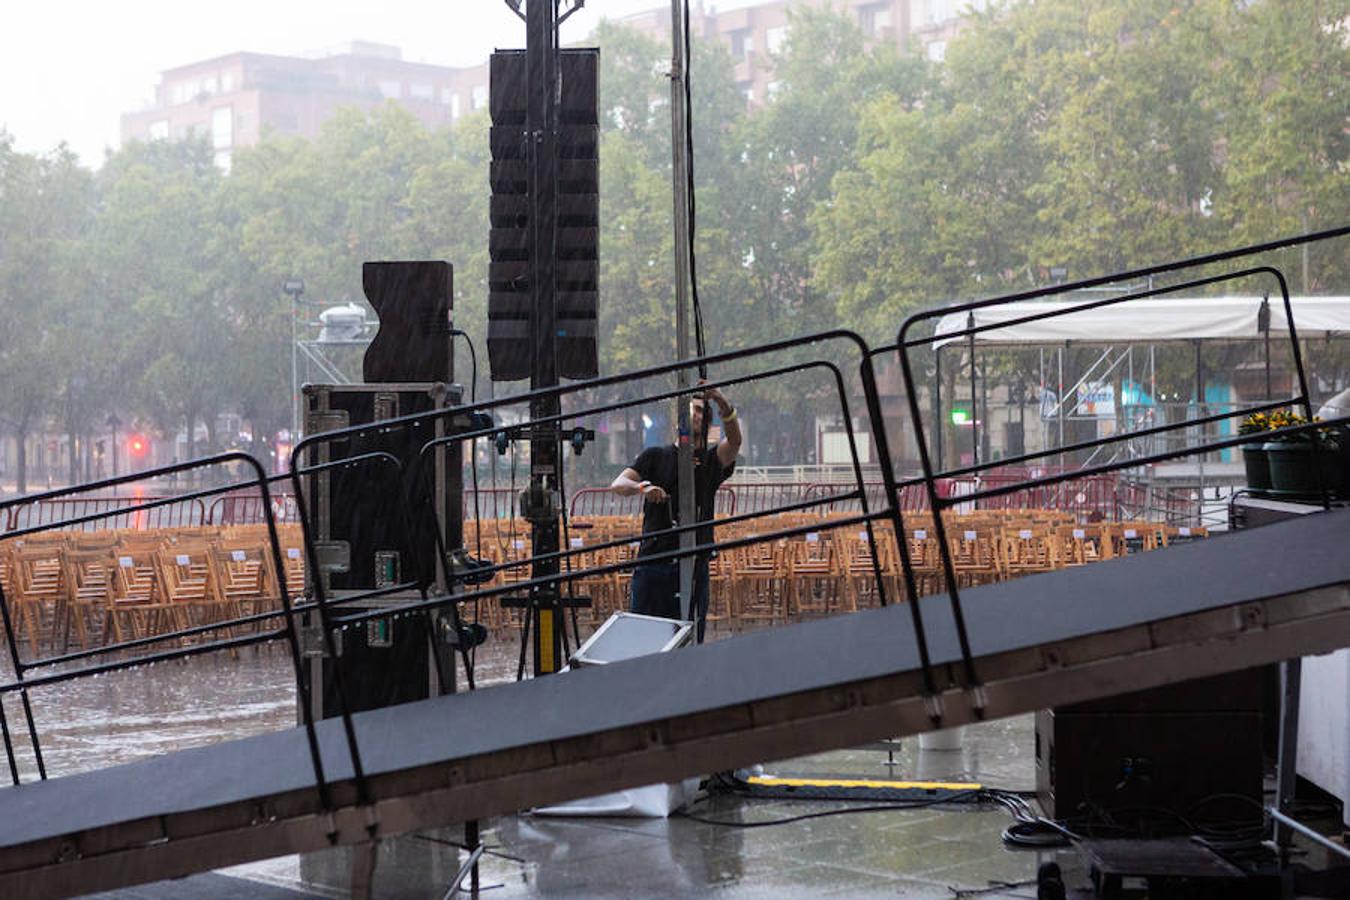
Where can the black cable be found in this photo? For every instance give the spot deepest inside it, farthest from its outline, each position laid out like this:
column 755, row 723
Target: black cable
column 689, row 161
column 473, row 469
column 526, row 622
column 958, row 797
column 567, row 560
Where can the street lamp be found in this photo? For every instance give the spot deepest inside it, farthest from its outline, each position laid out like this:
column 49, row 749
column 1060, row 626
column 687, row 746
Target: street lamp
column 294, row 288
column 114, row 423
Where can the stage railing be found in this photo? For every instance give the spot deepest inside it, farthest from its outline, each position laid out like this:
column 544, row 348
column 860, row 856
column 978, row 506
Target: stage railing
column 886, row 502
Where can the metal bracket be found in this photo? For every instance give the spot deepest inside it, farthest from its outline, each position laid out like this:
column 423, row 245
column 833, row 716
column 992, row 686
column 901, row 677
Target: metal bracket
column 333, row 556
column 386, row 406
column 321, row 420
column 311, row 640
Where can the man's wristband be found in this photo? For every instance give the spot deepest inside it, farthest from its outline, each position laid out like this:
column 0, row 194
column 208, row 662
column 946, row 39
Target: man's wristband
column 731, row 416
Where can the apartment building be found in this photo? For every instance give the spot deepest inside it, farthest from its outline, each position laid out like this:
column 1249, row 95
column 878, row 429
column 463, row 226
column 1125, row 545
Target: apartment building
column 236, row 99
column 755, row 32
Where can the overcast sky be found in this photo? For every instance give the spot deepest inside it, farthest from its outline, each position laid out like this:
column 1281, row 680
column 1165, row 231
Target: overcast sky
column 69, row 69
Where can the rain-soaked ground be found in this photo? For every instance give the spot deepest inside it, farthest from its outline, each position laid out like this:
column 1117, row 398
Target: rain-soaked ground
column 933, row 852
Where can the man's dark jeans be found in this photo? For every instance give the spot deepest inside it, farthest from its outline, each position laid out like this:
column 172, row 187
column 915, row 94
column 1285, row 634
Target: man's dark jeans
column 656, row 586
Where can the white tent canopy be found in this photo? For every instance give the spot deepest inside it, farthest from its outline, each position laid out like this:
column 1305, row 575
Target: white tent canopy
column 1153, row 320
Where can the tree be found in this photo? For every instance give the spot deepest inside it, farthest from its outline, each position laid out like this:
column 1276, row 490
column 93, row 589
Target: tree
column 1278, row 95
column 153, row 245
column 44, row 212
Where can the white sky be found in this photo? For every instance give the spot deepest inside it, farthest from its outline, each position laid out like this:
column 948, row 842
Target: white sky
column 69, row 68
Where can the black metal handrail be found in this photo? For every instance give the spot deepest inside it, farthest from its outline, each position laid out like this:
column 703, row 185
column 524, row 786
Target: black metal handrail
column 291, row 632
column 325, row 607
column 470, row 411
column 903, row 345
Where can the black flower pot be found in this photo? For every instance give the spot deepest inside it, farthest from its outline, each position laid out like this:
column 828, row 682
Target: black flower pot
column 1295, row 470
column 1257, row 463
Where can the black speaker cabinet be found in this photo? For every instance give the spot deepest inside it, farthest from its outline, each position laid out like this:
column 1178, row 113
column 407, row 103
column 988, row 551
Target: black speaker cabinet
column 1187, row 750
column 374, row 526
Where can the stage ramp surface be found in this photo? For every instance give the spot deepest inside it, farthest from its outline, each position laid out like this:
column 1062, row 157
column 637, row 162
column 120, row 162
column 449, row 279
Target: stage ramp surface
column 1226, row 603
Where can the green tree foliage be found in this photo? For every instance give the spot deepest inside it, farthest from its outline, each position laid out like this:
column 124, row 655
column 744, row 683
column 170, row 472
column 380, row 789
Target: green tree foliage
column 1278, row 92
column 49, row 363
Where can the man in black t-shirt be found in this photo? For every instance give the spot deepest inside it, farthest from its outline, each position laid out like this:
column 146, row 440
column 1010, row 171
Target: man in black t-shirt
column 655, row 475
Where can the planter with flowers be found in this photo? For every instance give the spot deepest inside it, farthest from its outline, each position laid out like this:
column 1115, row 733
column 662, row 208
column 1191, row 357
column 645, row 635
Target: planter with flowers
column 1299, row 468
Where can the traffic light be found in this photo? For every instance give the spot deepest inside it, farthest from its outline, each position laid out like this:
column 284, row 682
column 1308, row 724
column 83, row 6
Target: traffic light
column 138, row 445
column 576, row 246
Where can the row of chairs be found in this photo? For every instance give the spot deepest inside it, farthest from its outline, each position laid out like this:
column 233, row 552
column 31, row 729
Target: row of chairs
column 830, row 569
column 111, row 586
column 117, row 585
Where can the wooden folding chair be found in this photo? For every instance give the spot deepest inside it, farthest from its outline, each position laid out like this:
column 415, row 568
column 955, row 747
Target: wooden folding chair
column 244, row 576
column 816, row 583
column 135, row 609
column 88, row 576
column 1027, row 551
column 39, row 589
column 189, row 585
column 975, row 557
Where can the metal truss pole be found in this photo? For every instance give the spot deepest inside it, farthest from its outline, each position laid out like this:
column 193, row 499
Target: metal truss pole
column 541, row 52
column 679, row 118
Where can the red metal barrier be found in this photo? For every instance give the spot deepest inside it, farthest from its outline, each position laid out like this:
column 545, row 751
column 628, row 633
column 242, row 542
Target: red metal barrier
column 761, row 495
column 46, row 512
column 246, row 508
column 492, row 503
column 604, row 502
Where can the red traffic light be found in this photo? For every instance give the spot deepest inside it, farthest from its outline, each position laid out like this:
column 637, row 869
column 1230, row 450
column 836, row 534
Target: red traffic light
column 137, row 445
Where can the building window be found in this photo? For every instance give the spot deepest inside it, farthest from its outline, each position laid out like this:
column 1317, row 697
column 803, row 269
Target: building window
column 742, row 43
column 747, row 90
column 421, row 92
column 454, row 106
column 775, row 38
column 159, row 131
column 222, row 160
column 772, row 90
column 875, row 19
column 226, row 82
column 390, row 90
column 480, row 96
column 932, row 12
column 937, row 51
column 222, row 127
column 209, row 84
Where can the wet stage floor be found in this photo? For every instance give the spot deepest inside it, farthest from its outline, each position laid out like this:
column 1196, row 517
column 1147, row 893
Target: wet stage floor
column 940, row 852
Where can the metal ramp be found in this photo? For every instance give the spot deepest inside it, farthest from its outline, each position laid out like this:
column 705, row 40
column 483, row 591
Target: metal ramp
column 1231, row 602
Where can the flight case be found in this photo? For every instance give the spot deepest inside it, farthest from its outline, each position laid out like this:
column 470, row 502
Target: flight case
column 373, row 527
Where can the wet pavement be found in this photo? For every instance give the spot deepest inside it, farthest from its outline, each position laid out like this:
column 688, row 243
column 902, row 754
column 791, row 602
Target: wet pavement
column 738, row 850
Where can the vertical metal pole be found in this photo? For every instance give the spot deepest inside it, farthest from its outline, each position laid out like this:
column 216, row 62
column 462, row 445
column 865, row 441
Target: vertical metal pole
column 1040, row 411
column 1200, row 412
column 1063, row 402
column 679, row 117
column 938, row 424
column 295, row 371
column 1263, row 322
column 1286, row 769
column 541, row 127
column 974, row 399
column 472, row 841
